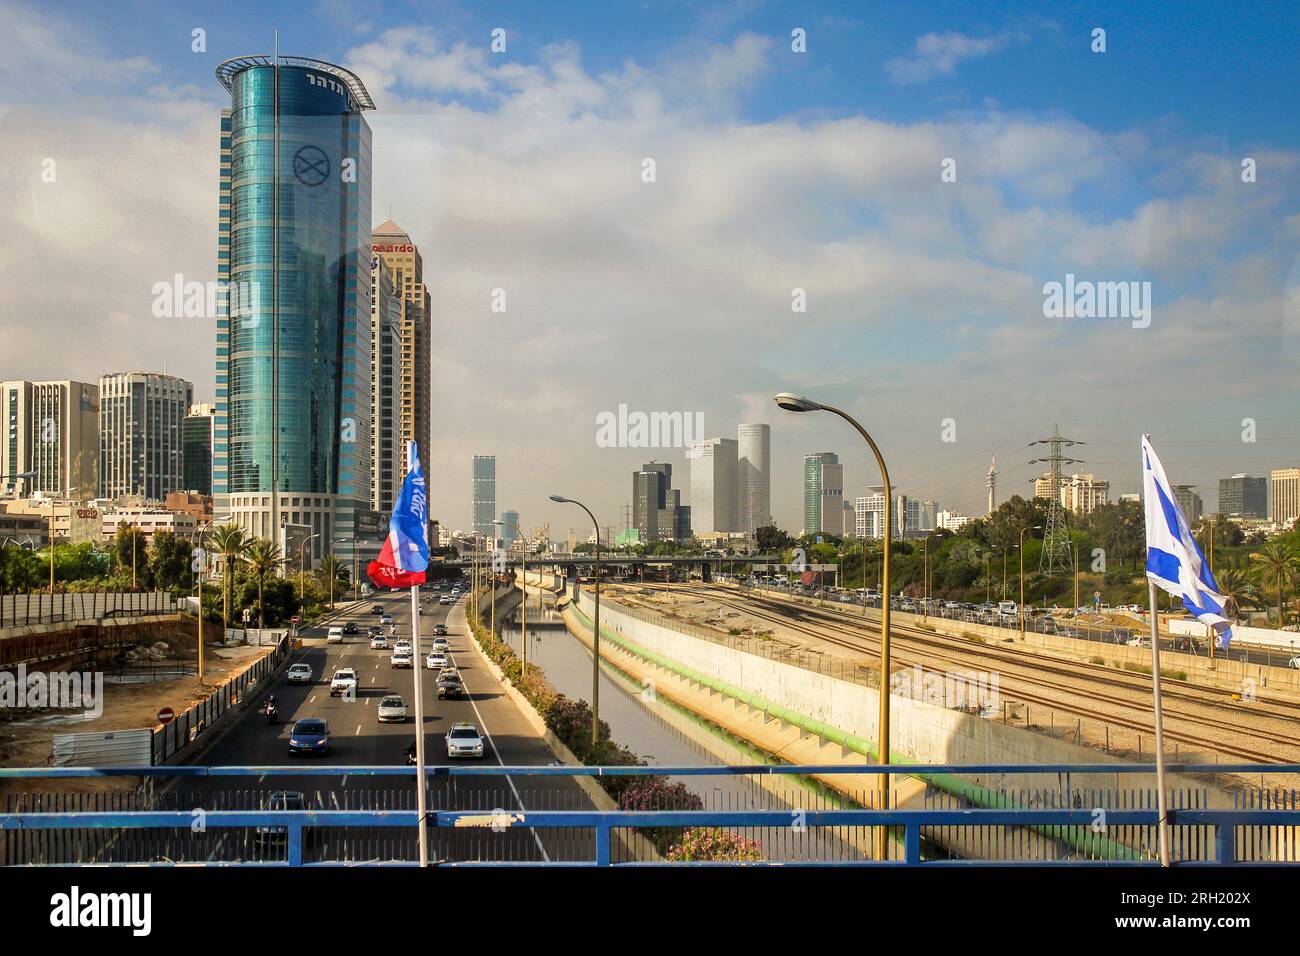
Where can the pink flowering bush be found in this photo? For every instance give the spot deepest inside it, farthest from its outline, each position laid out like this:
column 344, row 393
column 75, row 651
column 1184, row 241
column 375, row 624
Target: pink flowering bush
column 699, row 844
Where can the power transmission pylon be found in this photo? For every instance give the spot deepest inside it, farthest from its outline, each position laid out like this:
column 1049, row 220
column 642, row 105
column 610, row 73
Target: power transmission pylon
column 1057, row 556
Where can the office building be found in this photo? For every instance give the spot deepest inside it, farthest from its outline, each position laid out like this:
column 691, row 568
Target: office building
column 952, row 521
column 52, row 429
column 1242, row 496
column 823, row 494
column 1190, row 502
column 1079, row 494
column 196, row 448
column 657, row 510
column 714, row 492
column 387, row 448
column 1285, row 494
column 869, row 515
column 754, row 475
column 293, row 428
column 928, row 512
column 485, row 494
column 141, row 452
column 392, row 251
column 508, row 530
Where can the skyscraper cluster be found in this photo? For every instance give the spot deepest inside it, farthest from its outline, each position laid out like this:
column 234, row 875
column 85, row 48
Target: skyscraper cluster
column 731, row 482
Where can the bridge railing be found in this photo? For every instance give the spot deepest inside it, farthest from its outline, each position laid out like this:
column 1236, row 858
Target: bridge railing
column 344, row 826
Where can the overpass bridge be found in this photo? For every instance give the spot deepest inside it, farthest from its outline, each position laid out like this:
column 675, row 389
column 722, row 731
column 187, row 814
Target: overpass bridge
column 570, row 564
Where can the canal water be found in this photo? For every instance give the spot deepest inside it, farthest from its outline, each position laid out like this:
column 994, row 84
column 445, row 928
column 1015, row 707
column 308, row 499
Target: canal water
column 645, row 724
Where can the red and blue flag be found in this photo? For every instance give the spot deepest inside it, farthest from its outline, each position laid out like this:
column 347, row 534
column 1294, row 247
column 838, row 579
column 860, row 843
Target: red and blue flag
column 405, row 555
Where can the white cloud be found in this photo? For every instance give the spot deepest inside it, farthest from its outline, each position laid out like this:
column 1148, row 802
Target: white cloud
column 938, row 54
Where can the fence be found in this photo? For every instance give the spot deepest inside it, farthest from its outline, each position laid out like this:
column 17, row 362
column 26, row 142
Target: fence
column 520, row 821
column 182, row 733
column 26, row 608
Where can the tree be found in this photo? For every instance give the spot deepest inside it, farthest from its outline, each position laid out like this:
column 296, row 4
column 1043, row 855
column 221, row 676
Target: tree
column 229, row 541
column 130, row 554
column 771, row 539
column 169, row 559
column 263, row 556
column 1280, row 561
column 1238, row 589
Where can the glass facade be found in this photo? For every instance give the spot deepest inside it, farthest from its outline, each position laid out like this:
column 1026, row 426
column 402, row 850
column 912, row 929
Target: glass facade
column 485, row 494
column 294, row 243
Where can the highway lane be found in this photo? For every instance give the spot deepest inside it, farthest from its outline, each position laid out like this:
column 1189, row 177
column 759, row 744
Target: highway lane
column 358, row 738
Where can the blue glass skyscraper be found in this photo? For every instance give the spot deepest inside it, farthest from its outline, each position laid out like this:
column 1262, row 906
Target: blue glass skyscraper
column 292, row 432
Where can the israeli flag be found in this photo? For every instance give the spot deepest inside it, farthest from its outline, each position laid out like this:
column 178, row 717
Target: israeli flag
column 1174, row 560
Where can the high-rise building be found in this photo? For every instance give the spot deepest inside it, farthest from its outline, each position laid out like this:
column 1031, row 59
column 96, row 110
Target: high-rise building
column 754, row 475
column 387, row 447
column 1285, row 495
column 1189, row 501
column 196, row 448
column 485, row 494
column 823, row 494
column 509, row 527
column 952, row 521
column 929, row 515
column 1080, row 494
column 714, row 493
column 52, row 429
column 392, row 250
column 1243, row 496
column 657, row 510
column 293, row 367
column 140, row 448
column 869, row 514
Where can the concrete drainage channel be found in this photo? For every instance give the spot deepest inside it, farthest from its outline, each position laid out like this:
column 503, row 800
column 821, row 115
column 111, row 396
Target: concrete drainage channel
column 1078, row 839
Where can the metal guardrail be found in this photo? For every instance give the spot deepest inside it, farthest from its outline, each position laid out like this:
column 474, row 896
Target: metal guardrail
column 292, row 829
column 27, row 608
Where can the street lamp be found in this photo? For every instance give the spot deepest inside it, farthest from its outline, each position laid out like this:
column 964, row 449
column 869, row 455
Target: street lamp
column 925, row 575
column 523, row 608
column 334, row 541
column 798, row 403
column 202, row 558
column 595, row 637
column 1037, row 527
column 302, row 570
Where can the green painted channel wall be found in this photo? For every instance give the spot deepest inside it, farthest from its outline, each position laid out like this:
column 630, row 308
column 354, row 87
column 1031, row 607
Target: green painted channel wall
column 1079, row 838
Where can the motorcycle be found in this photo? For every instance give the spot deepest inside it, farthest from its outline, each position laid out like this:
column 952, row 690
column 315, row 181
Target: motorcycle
column 271, row 713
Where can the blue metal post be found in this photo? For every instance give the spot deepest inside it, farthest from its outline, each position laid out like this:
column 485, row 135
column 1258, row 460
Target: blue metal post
column 295, row 844
column 1225, row 842
column 602, row 845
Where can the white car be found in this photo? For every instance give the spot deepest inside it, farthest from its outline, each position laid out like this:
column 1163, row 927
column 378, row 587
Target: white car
column 386, row 619
column 401, row 659
column 445, row 599
column 344, row 680
column 298, row 674
column 435, row 661
column 1294, row 662
column 463, row 740
column 379, row 643
column 335, row 636
column 1138, row 642
column 392, row 707
column 440, row 645
column 402, row 647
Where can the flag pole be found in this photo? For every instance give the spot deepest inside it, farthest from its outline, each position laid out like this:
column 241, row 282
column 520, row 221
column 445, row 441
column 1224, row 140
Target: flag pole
column 1161, row 800
column 421, row 796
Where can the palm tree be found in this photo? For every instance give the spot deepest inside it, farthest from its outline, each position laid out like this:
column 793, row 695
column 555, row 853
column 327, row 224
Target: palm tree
column 1276, row 559
column 229, row 541
column 1238, row 589
column 263, row 556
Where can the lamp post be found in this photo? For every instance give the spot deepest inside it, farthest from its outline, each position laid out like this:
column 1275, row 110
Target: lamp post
column 595, row 635
column 302, row 570
column 1022, row 576
column 798, row 403
column 202, row 559
column 925, row 576
column 523, row 607
column 334, row 541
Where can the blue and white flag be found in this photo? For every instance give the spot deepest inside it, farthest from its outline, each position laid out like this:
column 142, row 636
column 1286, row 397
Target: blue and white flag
column 1174, row 559
column 404, row 557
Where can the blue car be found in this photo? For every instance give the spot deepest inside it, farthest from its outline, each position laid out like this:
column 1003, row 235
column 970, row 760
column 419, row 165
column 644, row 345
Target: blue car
column 311, row 735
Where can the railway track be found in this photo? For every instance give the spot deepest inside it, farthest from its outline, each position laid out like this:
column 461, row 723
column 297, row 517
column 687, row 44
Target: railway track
column 837, row 630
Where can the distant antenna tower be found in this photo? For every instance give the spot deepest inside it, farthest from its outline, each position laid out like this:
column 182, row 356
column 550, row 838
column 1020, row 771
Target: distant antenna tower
column 992, row 482
column 1057, row 556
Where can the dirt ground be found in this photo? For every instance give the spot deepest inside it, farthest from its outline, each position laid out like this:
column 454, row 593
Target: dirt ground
column 28, row 740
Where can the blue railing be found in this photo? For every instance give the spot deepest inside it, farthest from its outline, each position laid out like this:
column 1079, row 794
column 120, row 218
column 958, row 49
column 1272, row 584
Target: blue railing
column 291, row 826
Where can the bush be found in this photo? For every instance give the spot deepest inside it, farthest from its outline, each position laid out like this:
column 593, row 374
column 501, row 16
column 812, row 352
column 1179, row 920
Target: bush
column 714, row 845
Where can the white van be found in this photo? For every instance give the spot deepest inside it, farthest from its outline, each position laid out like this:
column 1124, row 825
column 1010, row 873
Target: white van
column 335, row 636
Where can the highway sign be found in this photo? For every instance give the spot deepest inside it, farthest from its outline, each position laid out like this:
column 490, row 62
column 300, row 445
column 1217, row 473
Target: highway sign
column 166, row 715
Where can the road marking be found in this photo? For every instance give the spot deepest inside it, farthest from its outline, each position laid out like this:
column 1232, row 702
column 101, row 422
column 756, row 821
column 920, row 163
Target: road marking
column 358, row 732
column 501, row 763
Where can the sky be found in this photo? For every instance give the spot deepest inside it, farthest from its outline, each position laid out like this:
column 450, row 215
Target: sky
column 921, row 172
